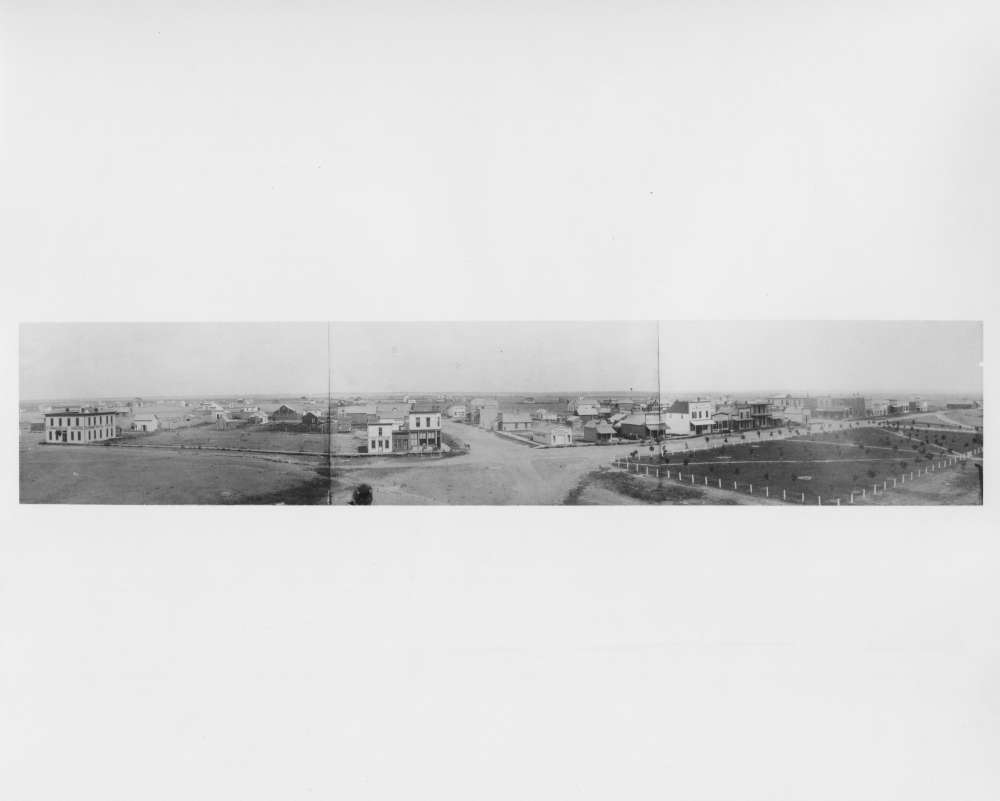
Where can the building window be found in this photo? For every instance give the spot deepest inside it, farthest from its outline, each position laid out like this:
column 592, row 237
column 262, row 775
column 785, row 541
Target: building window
column 373, row 444
column 418, row 422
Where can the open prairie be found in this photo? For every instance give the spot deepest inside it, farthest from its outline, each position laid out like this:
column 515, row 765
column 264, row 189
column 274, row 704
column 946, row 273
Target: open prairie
column 96, row 474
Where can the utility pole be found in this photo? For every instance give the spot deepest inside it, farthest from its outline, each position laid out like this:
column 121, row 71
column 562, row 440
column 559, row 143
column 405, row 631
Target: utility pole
column 659, row 386
column 329, row 419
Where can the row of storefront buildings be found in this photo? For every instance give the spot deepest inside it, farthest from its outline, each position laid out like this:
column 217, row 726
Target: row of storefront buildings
column 601, row 421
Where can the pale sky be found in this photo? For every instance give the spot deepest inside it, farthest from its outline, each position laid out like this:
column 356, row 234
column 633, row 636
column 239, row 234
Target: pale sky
column 495, row 357
column 822, row 356
column 99, row 360
column 667, row 144
column 83, row 360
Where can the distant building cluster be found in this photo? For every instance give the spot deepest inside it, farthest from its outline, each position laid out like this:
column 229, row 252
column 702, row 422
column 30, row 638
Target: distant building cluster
column 603, row 420
column 413, row 425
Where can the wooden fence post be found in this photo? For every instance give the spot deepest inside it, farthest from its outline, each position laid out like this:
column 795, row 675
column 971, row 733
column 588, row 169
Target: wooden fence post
column 720, row 483
column 852, row 497
column 784, row 495
column 803, row 497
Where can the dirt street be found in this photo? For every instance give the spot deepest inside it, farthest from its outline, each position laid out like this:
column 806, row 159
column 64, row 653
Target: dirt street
column 496, row 470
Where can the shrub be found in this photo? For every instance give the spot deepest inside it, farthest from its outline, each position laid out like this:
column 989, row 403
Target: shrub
column 362, row 496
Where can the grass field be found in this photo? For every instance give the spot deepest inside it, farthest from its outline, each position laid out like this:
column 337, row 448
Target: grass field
column 819, row 466
column 110, row 475
column 927, row 442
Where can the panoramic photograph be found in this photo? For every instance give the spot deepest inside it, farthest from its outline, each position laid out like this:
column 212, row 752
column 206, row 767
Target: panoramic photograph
column 839, row 413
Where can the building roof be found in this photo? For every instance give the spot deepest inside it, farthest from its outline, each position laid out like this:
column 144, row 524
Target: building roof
column 357, row 409
column 679, row 407
column 392, row 410
column 145, row 417
column 600, row 426
column 508, row 417
column 551, row 427
column 77, row 412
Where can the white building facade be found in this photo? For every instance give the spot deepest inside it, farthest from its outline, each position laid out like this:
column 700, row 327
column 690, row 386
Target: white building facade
column 380, row 436
column 79, row 426
column 554, row 436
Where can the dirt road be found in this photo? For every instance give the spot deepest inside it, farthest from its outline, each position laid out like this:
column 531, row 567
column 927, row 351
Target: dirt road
column 499, row 471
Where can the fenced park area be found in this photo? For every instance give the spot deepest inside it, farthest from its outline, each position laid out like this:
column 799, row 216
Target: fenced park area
column 849, row 467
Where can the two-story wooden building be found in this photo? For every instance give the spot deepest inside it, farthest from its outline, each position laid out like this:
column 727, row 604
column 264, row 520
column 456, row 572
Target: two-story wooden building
column 79, row 426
